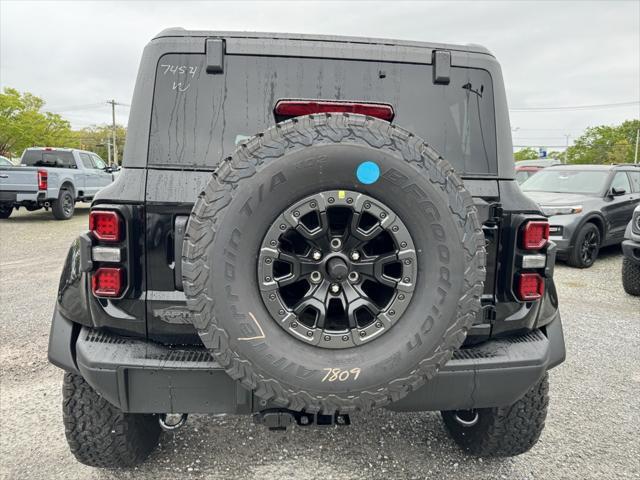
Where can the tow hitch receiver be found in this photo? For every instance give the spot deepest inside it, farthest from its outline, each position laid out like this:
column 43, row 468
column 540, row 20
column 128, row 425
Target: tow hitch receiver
column 279, row 419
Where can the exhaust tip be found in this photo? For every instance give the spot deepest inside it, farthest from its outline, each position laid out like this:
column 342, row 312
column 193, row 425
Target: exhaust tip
column 170, row 422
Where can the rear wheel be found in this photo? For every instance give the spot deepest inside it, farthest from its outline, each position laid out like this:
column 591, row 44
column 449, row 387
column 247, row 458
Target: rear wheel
column 64, row 206
column 5, row 211
column 503, row 431
column 99, row 434
column 585, row 251
column 631, row 276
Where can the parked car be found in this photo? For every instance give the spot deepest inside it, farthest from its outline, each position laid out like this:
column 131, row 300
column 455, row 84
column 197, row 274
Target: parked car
column 631, row 251
column 588, row 206
column 527, row 168
column 334, row 262
column 5, row 162
column 53, row 178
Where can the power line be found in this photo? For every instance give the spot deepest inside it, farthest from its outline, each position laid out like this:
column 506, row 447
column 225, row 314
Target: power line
column 574, row 107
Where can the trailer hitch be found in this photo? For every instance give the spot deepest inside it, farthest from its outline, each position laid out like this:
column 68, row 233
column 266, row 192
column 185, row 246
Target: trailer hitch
column 279, row 419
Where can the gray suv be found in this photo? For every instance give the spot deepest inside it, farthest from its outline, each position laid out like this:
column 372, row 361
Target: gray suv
column 588, row 206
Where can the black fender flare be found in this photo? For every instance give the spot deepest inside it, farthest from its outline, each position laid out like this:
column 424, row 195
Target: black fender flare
column 72, row 299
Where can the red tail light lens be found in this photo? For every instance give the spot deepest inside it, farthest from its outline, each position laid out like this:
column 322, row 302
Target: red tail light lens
column 43, row 180
column 105, row 225
column 297, row 108
column 107, row 282
column 535, row 234
column 530, row 286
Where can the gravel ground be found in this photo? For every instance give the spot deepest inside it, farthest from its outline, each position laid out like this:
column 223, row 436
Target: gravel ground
column 591, row 429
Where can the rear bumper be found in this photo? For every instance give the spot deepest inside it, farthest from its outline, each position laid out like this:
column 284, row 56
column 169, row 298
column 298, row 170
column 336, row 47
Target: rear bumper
column 145, row 377
column 631, row 250
column 22, row 198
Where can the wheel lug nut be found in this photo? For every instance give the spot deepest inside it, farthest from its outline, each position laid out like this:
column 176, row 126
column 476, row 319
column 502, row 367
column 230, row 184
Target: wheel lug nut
column 355, row 255
column 335, row 288
column 316, row 255
column 316, row 277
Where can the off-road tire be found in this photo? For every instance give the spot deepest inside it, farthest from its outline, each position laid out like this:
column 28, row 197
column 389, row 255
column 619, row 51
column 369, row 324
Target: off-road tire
column 310, row 150
column 57, row 206
column 631, row 276
column 5, row 211
column 575, row 259
column 99, row 434
column 504, row 431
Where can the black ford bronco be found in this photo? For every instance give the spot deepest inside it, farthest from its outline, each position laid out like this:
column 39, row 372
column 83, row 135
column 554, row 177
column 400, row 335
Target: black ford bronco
column 307, row 227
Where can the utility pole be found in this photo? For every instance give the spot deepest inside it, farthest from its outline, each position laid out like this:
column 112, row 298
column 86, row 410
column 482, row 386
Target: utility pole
column 113, row 117
column 635, row 157
column 107, row 142
column 566, row 148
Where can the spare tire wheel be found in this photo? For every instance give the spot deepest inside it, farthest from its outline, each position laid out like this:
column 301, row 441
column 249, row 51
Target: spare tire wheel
column 333, row 263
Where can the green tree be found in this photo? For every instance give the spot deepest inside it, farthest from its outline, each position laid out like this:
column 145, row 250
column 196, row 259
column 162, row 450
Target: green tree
column 96, row 137
column 23, row 124
column 605, row 144
column 526, row 153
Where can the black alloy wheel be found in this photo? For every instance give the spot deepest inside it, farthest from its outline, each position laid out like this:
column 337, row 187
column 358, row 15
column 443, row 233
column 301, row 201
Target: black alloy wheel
column 590, row 246
column 337, row 269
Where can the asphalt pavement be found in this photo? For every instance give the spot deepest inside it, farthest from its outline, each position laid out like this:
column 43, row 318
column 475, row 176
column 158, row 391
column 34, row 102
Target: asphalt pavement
column 591, row 430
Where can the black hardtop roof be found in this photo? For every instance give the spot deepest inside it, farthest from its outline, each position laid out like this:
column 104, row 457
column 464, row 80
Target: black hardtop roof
column 181, row 32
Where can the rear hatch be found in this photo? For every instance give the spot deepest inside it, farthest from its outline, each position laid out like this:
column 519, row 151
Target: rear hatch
column 205, row 105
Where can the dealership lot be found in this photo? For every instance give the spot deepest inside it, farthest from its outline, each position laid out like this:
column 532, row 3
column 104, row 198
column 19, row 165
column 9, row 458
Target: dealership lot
column 591, row 429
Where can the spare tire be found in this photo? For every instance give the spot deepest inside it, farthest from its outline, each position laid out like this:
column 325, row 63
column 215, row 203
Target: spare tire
column 273, row 242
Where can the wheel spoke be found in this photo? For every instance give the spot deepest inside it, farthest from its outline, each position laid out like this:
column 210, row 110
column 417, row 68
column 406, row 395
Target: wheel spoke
column 373, row 268
column 301, row 268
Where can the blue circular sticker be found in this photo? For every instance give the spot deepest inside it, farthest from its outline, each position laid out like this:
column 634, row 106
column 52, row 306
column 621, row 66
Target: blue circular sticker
column 368, row 173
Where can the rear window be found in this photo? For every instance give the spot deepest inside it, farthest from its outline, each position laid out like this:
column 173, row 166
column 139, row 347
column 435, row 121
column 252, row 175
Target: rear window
column 48, row 158
column 199, row 118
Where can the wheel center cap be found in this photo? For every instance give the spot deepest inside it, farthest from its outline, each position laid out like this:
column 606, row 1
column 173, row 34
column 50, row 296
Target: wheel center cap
column 337, row 269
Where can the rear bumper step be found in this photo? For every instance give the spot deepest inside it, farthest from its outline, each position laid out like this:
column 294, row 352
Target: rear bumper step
column 145, row 377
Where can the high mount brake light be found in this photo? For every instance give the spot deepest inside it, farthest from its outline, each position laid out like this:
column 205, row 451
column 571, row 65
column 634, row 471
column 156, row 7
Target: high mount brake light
column 530, row 286
column 535, row 234
column 297, row 108
column 107, row 282
column 43, row 180
column 105, row 225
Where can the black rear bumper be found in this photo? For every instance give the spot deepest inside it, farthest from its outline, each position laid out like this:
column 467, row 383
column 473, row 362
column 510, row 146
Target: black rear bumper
column 145, row 377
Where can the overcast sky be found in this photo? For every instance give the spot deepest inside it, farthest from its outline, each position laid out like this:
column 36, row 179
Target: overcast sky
column 76, row 55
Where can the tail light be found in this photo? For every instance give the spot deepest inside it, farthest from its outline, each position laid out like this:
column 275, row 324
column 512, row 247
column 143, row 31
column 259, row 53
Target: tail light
column 43, row 180
column 530, row 286
column 297, row 108
column 107, row 282
column 105, row 225
column 535, row 234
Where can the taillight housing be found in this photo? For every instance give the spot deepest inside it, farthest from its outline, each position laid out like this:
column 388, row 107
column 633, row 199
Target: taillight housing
column 107, row 282
column 43, row 180
column 297, row 108
column 529, row 286
column 535, row 235
column 105, row 225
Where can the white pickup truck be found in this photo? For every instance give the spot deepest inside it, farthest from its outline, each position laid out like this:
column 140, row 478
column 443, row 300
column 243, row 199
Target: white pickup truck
column 53, row 178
